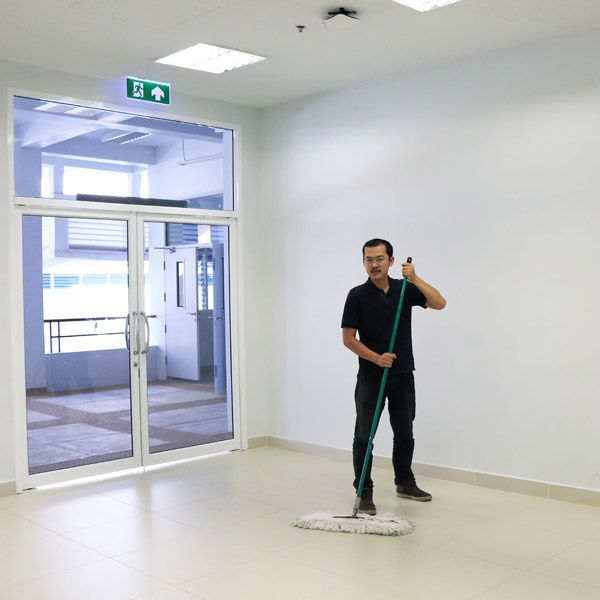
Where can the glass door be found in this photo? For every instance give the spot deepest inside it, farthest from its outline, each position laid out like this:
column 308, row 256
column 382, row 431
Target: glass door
column 127, row 342
column 80, row 404
column 186, row 370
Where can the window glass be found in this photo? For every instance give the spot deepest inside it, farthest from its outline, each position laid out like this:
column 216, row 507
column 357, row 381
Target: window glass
column 95, row 181
column 69, row 152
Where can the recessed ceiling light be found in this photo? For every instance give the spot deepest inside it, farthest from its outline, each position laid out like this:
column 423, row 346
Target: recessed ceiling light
column 213, row 59
column 425, row 5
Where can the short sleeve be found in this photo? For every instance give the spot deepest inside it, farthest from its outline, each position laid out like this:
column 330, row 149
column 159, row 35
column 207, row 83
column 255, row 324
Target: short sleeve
column 351, row 315
column 416, row 296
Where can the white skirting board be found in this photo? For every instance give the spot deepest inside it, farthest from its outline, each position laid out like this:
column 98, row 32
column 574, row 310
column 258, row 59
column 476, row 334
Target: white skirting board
column 8, row 488
column 498, row 482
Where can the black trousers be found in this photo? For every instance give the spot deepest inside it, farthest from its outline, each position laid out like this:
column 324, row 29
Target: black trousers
column 400, row 394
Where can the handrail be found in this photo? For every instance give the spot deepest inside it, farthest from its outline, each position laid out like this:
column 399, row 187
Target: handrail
column 58, row 336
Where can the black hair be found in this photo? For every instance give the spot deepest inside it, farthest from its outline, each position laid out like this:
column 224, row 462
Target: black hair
column 378, row 242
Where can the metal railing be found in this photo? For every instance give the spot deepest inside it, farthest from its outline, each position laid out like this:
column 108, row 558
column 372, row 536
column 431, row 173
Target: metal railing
column 57, row 333
column 57, row 330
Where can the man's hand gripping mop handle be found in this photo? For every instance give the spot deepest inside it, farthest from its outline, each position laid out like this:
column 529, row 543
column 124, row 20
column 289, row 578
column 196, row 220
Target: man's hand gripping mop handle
column 384, row 379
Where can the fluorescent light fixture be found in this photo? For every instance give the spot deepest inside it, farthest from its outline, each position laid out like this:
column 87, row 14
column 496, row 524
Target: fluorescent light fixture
column 425, row 5
column 83, row 111
column 120, row 137
column 53, row 107
column 213, row 59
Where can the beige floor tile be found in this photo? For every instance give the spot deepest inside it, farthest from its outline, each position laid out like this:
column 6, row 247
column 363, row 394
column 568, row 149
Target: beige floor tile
column 434, row 526
column 20, row 562
column 510, row 545
column 128, row 535
column 170, row 593
column 14, row 530
column 102, row 580
column 533, row 587
column 561, row 517
column 35, row 500
column 271, row 533
column 579, row 564
column 77, row 512
column 105, row 486
column 267, row 578
column 189, row 558
column 284, row 491
column 436, row 575
column 214, row 515
column 352, row 590
column 351, row 554
column 155, row 495
column 473, row 500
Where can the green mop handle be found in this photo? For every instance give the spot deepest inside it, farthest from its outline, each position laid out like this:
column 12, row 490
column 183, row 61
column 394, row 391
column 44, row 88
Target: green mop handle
column 378, row 407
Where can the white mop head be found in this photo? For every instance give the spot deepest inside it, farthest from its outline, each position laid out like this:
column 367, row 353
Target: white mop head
column 388, row 524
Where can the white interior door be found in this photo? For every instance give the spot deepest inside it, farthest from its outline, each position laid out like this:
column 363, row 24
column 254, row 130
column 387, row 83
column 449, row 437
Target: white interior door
column 181, row 313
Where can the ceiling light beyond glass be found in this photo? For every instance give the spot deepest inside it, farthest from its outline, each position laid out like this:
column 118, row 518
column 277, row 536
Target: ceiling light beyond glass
column 213, row 59
column 425, row 5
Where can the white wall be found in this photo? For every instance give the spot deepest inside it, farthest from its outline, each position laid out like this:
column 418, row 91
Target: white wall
column 111, row 92
column 486, row 172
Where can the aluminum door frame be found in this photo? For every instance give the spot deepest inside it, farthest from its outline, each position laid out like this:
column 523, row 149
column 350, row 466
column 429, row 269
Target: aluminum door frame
column 141, row 459
column 233, row 397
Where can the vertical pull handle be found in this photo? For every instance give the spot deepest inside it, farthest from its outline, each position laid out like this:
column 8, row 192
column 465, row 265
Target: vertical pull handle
column 147, row 336
column 127, row 330
column 136, row 335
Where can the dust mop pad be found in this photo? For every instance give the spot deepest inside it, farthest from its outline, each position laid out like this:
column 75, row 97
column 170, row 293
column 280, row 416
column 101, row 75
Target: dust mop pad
column 387, row 524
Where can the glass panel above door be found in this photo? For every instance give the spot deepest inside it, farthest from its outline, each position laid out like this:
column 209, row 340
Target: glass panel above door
column 70, row 152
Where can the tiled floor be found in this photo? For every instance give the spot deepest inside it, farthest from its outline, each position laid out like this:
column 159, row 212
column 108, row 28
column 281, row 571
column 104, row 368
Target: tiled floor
column 219, row 528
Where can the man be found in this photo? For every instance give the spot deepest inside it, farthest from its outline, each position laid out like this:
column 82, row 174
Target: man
column 370, row 311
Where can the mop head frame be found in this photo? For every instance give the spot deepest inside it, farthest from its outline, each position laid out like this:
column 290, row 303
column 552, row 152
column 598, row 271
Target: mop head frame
column 387, row 524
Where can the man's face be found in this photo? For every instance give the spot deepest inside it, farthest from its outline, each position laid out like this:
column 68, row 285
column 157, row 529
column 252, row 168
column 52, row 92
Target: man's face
column 377, row 262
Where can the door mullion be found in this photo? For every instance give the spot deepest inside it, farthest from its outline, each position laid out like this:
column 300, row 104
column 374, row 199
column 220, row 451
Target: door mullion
column 138, row 360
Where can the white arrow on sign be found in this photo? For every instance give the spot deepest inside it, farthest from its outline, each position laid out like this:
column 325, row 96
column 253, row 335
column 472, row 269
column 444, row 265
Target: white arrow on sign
column 158, row 94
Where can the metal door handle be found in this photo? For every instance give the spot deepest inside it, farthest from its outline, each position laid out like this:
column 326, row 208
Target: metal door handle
column 127, row 331
column 147, row 326
column 136, row 334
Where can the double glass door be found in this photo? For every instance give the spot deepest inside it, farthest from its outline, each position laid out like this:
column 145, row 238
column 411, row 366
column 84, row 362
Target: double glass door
column 127, row 342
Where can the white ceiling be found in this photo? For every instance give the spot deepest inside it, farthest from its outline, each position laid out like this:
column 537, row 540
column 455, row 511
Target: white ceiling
column 114, row 38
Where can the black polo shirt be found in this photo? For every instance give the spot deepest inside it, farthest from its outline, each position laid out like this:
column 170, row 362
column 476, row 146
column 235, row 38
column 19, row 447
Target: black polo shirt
column 372, row 312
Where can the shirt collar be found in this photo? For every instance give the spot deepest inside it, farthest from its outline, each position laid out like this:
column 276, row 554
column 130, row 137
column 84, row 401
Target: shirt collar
column 373, row 289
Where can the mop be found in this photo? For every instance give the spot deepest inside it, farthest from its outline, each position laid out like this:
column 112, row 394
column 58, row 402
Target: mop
column 387, row 524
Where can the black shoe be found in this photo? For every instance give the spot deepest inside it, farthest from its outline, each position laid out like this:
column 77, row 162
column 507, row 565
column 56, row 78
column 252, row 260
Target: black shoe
column 366, row 502
column 410, row 490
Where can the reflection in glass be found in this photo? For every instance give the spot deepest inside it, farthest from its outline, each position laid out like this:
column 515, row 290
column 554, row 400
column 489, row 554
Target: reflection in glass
column 74, row 152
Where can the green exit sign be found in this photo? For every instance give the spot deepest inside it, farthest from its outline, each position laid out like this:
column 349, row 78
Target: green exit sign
column 148, row 91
